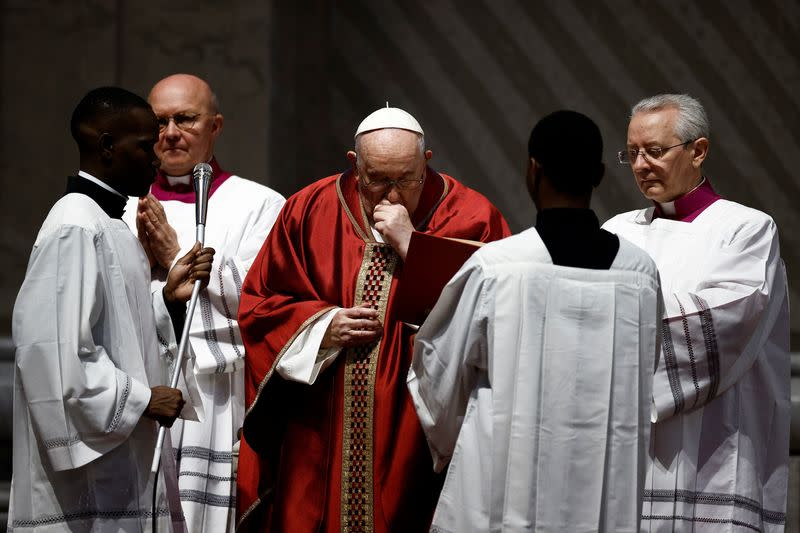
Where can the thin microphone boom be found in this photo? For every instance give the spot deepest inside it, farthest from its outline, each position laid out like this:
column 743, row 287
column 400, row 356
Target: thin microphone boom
column 202, row 180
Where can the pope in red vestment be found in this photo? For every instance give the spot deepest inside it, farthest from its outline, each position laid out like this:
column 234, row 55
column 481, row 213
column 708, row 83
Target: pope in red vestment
column 344, row 451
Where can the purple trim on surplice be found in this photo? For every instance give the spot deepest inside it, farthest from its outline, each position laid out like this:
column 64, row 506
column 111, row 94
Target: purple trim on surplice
column 162, row 190
column 689, row 207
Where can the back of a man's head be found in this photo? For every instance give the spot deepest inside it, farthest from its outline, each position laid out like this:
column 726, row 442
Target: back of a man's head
column 98, row 109
column 568, row 147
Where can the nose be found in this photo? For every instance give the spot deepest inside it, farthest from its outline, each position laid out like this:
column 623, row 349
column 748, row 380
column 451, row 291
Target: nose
column 171, row 131
column 640, row 162
column 392, row 194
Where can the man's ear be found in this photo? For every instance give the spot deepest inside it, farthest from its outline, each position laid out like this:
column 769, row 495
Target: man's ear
column 699, row 151
column 428, row 155
column 351, row 155
column 216, row 125
column 106, row 144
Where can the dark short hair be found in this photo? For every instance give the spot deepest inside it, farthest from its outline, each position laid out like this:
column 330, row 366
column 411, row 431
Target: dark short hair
column 103, row 102
column 569, row 148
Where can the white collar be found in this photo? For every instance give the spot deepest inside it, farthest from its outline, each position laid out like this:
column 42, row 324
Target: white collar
column 668, row 208
column 186, row 179
column 103, row 184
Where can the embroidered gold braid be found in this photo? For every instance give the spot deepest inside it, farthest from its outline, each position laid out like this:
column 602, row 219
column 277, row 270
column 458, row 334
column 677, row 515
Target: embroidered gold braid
column 374, row 281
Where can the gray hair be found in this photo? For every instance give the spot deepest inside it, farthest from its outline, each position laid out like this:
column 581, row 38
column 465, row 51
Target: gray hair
column 420, row 143
column 692, row 120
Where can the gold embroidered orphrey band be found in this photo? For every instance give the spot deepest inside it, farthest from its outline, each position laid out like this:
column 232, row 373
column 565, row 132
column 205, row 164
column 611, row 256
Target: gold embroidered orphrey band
column 373, row 284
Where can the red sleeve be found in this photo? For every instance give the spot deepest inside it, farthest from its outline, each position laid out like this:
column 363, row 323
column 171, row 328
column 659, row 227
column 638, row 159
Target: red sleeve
column 279, row 297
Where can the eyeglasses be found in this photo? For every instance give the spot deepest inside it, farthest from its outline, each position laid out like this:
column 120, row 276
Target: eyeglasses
column 651, row 153
column 405, row 184
column 183, row 121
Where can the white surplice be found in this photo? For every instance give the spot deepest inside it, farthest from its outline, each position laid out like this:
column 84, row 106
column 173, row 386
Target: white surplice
column 720, row 442
column 85, row 332
column 240, row 215
column 534, row 382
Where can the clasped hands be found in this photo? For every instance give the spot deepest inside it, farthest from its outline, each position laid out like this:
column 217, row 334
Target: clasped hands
column 160, row 242
column 159, row 239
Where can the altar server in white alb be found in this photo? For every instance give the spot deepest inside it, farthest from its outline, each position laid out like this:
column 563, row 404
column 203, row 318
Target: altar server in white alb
column 240, row 215
column 88, row 382
column 532, row 375
column 720, row 451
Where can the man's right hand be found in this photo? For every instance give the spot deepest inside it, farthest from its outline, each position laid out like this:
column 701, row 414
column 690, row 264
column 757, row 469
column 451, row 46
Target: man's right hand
column 165, row 405
column 351, row 327
column 195, row 265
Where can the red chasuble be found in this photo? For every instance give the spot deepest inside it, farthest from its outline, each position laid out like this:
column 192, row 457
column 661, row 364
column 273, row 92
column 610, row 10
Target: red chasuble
column 346, row 453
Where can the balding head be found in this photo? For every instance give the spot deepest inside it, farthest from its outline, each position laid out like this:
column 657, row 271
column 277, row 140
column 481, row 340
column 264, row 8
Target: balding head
column 188, row 114
column 180, row 85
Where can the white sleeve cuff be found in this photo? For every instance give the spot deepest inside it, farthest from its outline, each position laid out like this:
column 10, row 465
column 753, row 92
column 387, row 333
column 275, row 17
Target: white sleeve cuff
column 304, row 359
column 163, row 319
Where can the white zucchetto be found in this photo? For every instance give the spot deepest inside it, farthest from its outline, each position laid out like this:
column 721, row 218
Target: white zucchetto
column 389, row 117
